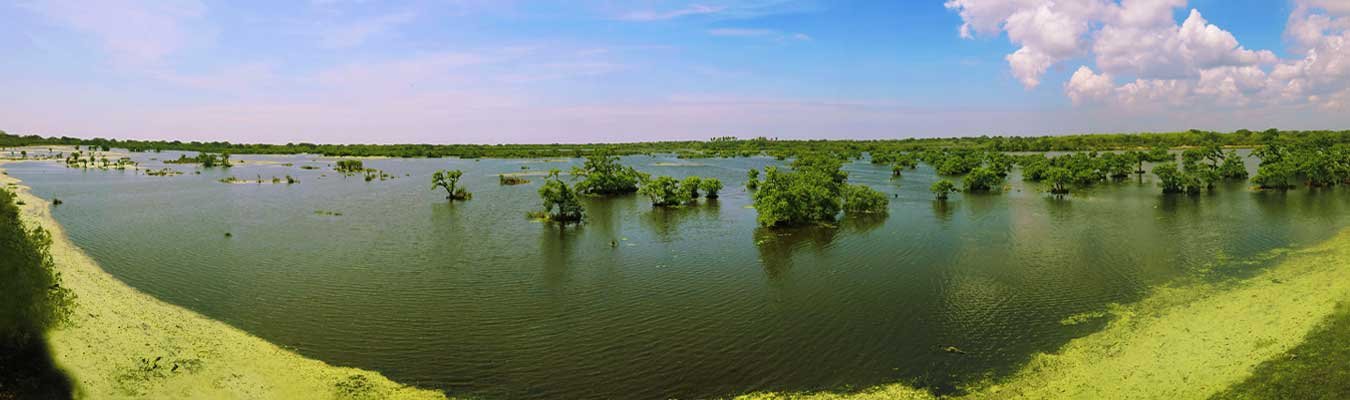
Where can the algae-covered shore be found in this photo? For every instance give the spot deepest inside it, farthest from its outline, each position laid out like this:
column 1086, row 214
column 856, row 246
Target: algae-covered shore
column 1184, row 341
column 122, row 343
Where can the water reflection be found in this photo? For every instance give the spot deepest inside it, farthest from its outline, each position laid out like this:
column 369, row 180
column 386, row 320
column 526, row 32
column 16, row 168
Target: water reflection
column 942, row 209
column 777, row 246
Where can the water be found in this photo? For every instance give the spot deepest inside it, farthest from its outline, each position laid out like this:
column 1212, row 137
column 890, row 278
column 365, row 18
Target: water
column 475, row 299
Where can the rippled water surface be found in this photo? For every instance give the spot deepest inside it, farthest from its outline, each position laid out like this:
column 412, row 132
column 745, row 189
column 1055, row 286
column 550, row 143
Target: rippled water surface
column 475, row 299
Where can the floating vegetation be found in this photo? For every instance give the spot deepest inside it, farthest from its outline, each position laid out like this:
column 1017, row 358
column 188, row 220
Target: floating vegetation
column 511, row 180
column 1082, row 317
column 163, row 172
column 329, row 213
column 308, row 167
column 207, row 160
column 350, row 166
column 275, row 180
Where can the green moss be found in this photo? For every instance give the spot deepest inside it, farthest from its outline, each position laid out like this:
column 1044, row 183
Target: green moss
column 1315, row 369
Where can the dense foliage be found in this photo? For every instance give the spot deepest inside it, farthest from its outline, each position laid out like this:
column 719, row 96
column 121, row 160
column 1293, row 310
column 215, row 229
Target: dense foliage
column 603, row 175
column 861, row 199
column 942, row 189
column 33, row 301
column 711, row 187
column 815, row 190
column 561, row 202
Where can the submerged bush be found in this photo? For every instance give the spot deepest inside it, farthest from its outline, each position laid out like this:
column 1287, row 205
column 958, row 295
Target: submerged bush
column 942, row 188
column 561, row 203
column 603, row 175
column 982, row 179
column 710, row 187
column 861, row 199
column 664, row 191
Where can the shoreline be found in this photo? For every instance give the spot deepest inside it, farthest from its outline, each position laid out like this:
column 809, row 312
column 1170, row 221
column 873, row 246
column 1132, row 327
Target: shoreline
column 1183, row 341
column 123, row 343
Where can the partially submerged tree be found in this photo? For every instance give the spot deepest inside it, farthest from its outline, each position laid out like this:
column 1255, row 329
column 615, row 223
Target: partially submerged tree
column 561, row 203
column 603, row 175
column 665, row 191
column 449, row 180
column 942, row 188
column 752, row 179
column 982, row 179
column 710, row 187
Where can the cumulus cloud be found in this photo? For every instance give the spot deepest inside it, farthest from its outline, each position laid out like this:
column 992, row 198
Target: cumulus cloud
column 1168, row 65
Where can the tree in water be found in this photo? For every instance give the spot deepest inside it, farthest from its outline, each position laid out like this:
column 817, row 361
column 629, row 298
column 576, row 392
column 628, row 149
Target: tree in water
column 665, row 192
column 1059, row 178
column 561, row 203
column 710, row 187
column 449, row 180
column 982, row 179
column 942, row 189
column 752, row 179
column 603, row 175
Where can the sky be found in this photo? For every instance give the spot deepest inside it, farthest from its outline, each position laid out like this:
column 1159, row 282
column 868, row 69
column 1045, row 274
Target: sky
column 503, row 71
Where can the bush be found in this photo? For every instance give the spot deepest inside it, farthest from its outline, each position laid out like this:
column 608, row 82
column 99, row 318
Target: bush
column 665, row 191
column 561, row 203
column 942, row 188
column 861, row 199
column 710, row 187
column 982, row 179
column 33, row 301
column 810, row 193
column 603, row 175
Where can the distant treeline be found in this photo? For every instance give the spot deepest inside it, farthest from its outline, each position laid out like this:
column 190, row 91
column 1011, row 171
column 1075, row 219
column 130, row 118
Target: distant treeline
column 716, row 147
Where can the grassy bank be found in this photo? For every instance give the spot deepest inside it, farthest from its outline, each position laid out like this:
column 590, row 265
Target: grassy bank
column 33, row 302
column 122, row 343
column 1194, row 341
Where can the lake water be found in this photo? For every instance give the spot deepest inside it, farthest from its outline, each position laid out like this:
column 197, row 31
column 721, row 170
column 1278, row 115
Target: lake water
column 475, row 299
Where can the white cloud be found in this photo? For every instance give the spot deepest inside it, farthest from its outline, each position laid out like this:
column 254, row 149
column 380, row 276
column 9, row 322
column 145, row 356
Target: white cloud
column 652, row 15
column 1088, row 87
column 1194, row 65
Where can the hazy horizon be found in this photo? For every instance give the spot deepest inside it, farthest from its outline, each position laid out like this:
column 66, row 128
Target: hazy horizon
column 488, row 72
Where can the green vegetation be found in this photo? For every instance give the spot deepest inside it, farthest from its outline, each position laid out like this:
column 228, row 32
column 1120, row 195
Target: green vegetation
column 207, row 160
column 1315, row 369
column 752, row 179
column 982, row 179
column 814, row 191
column 603, row 175
column 717, row 147
column 348, row 167
column 861, row 199
column 665, row 191
column 942, row 189
column 561, row 202
column 33, row 302
column 710, row 187
column 508, row 180
column 449, row 180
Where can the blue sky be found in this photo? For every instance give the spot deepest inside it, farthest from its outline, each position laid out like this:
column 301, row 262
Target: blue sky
column 448, row 71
